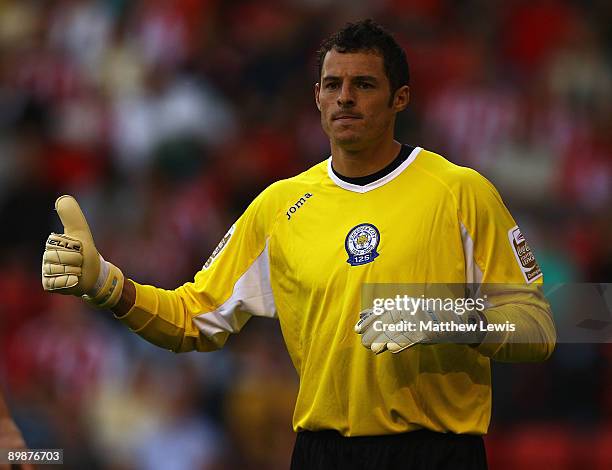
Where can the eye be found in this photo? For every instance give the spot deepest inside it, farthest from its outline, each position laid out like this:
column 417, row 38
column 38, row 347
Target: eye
column 331, row 85
column 365, row 85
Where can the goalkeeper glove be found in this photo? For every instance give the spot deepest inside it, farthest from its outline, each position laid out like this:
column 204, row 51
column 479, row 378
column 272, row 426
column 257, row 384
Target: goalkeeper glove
column 396, row 330
column 72, row 265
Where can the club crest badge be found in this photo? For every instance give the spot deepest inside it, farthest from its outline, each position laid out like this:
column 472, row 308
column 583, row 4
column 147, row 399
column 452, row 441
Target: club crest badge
column 361, row 244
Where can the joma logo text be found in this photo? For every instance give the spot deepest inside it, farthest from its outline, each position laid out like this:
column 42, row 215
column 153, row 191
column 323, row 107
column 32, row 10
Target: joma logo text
column 300, row 202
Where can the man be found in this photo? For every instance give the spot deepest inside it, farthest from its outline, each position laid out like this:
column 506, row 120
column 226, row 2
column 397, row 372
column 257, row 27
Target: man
column 10, row 437
column 375, row 212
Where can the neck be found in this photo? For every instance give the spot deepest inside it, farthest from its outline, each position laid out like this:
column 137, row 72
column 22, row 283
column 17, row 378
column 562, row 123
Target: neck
column 364, row 161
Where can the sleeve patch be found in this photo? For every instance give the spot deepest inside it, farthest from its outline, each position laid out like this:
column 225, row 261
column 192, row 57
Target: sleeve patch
column 524, row 256
column 222, row 244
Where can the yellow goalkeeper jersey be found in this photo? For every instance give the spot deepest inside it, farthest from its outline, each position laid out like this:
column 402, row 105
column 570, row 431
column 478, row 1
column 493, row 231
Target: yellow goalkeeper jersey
column 301, row 253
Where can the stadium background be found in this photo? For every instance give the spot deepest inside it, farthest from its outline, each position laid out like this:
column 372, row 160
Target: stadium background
column 165, row 118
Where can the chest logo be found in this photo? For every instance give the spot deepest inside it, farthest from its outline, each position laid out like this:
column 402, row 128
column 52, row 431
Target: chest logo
column 300, row 202
column 361, row 243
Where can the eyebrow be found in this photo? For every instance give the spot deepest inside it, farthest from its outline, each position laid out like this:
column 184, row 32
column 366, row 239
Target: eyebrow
column 356, row 78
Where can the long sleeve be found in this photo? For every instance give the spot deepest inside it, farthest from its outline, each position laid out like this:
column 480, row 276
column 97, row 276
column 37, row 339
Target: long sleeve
column 534, row 336
column 232, row 286
column 499, row 260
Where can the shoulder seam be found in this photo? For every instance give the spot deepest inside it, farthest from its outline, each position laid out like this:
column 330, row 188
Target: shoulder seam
column 457, row 207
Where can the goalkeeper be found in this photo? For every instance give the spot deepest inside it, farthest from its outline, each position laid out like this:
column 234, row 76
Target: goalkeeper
column 376, row 211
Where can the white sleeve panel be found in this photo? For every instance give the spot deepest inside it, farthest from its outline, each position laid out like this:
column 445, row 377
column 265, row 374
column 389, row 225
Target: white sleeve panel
column 251, row 296
column 473, row 273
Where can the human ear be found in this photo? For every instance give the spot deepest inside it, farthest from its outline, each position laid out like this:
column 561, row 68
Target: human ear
column 401, row 98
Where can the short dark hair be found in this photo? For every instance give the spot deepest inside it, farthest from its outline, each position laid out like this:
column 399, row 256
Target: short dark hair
column 367, row 35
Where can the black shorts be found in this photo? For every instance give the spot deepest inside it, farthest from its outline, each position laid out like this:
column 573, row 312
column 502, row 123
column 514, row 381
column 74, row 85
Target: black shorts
column 412, row 450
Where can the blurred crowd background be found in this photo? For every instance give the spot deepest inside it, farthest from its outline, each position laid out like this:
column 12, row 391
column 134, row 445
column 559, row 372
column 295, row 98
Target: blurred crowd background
column 166, row 117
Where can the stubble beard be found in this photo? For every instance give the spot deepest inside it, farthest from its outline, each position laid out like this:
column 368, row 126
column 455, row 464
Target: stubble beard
column 347, row 140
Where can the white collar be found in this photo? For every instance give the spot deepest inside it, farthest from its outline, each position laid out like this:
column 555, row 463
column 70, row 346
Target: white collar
column 374, row 184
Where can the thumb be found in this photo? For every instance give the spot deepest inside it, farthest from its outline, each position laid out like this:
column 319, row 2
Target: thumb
column 76, row 226
column 73, row 220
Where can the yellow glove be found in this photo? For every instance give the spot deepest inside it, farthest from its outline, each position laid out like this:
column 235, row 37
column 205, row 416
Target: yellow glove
column 396, row 330
column 379, row 332
column 72, row 265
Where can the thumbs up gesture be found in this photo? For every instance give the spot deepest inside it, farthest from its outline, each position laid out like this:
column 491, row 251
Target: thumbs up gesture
column 71, row 263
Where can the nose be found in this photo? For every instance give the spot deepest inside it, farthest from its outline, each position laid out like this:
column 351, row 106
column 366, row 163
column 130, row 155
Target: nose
column 346, row 98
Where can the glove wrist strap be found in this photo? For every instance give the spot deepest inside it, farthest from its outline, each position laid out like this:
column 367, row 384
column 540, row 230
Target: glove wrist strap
column 107, row 290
